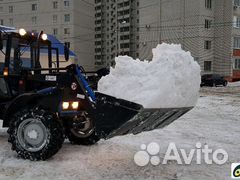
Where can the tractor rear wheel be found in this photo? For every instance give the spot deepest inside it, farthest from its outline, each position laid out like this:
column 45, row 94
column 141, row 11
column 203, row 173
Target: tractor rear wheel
column 35, row 134
column 82, row 131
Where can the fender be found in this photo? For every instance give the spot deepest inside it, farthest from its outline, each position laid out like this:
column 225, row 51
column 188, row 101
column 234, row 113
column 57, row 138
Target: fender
column 47, row 101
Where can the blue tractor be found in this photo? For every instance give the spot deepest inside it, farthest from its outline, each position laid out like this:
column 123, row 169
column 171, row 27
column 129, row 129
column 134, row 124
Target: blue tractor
column 42, row 106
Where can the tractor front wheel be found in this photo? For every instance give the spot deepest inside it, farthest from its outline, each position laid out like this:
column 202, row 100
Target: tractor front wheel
column 81, row 131
column 35, row 134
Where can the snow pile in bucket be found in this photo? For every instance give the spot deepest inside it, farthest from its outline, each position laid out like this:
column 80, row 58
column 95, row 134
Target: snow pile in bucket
column 171, row 79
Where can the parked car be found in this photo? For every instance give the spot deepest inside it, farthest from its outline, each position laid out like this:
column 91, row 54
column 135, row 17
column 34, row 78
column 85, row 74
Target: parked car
column 213, row 80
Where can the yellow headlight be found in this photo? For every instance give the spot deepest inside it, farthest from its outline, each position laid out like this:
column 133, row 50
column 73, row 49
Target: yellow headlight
column 65, row 105
column 75, row 105
column 22, row 32
column 5, row 72
column 44, row 37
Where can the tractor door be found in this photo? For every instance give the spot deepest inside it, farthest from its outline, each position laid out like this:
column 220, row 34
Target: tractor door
column 13, row 58
column 14, row 66
column 4, row 96
column 4, row 92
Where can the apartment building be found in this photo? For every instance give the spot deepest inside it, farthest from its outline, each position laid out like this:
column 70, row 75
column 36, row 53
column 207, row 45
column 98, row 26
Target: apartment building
column 203, row 27
column 71, row 21
column 116, row 27
column 209, row 29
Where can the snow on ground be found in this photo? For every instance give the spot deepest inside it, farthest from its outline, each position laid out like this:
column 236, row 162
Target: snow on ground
column 214, row 121
column 232, row 88
column 139, row 81
column 234, row 84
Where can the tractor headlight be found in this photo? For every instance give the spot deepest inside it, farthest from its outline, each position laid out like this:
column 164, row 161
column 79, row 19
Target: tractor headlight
column 44, row 37
column 22, row 32
column 5, row 72
column 65, row 105
column 75, row 105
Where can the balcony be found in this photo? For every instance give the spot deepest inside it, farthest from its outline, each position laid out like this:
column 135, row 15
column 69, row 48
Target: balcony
column 99, row 3
column 98, row 10
column 123, row 16
column 98, row 25
column 124, row 8
column 236, row 31
column 124, row 41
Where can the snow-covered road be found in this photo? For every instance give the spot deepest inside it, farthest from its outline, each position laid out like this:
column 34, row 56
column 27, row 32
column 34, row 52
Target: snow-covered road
column 215, row 121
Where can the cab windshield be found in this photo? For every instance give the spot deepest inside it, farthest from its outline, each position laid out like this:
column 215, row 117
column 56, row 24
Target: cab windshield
column 24, row 54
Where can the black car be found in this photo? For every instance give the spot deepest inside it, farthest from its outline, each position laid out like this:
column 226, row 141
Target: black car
column 213, row 80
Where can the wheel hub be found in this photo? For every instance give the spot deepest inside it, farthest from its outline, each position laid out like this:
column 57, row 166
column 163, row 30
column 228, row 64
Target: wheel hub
column 32, row 135
column 83, row 128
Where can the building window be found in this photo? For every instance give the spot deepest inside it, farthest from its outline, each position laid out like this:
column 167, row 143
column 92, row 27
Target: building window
column 207, row 44
column 1, row 22
column 236, row 43
column 10, row 8
column 236, row 22
column 66, row 31
column 67, row 17
column 125, row 45
column 1, row 9
column 208, row 23
column 236, row 64
column 66, row 3
column 34, row 20
column 11, row 21
column 55, row 17
column 208, row 4
column 207, row 65
column 55, row 4
column 34, row 7
column 237, row 2
column 55, row 31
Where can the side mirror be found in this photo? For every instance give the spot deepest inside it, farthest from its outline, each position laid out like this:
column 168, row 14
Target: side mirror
column 66, row 50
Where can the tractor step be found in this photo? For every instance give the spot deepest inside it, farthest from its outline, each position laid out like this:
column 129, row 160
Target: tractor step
column 116, row 117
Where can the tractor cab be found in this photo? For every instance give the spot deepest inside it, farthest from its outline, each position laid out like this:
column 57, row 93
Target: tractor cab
column 24, row 53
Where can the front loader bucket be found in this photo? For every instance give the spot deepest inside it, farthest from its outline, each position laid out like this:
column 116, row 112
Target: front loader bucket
column 116, row 117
